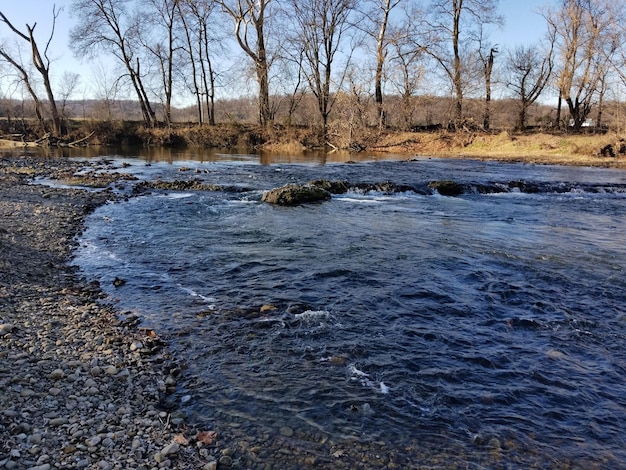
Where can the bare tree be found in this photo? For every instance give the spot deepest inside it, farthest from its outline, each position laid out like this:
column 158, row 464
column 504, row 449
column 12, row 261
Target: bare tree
column 106, row 25
column 320, row 26
column 405, row 67
column 583, row 29
column 160, row 41
column 198, row 18
column 487, row 54
column 529, row 70
column 249, row 18
column 69, row 83
column 448, row 29
column 377, row 27
column 105, row 86
column 41, row 62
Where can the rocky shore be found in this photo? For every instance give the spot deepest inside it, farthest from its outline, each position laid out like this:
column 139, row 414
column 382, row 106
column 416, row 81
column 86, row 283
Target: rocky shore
column 79, row 388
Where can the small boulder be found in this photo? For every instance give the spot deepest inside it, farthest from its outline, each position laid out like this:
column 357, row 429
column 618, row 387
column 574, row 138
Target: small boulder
column 294, row 194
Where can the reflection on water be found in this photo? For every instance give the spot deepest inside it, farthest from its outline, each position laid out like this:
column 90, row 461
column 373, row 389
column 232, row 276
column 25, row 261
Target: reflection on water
column 171, row 155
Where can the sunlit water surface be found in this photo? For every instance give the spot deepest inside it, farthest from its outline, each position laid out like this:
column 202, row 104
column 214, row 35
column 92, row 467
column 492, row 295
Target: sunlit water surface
column 479, row 331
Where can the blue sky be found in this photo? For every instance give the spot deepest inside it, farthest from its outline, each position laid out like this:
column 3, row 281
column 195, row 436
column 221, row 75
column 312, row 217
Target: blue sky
column 523, row 25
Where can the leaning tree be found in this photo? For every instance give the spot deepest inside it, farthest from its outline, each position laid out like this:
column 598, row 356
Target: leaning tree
column 41, row 62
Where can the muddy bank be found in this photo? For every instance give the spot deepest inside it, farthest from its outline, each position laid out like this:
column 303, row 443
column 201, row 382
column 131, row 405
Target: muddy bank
column 79, row 388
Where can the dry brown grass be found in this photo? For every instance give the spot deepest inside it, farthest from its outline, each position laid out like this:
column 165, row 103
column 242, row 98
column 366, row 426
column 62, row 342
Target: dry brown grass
column 562, row 149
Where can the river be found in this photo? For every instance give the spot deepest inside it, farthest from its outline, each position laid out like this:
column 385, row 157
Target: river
column 383, row 329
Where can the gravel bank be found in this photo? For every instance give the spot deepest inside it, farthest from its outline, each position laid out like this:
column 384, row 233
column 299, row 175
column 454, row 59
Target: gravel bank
column 78, row 387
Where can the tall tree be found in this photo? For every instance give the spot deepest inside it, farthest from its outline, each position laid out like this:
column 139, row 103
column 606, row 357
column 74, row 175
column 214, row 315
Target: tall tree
column 41, row 62
column 487, row 54
column 161, row 42
column 320, row 26
column 109, row 26
column 406, row 64
column 448, row 30
column 198, row 18
column 249, row 18
column 529, row 70
column 379, row 17
column 584, row 30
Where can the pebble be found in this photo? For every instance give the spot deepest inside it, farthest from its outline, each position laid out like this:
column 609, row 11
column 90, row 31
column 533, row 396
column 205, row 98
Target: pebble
column 58, row 421
column 76, row 393
column 57, row 374
column 171, row 448
column 6, row 328
column 226, row 461
column 93, row 441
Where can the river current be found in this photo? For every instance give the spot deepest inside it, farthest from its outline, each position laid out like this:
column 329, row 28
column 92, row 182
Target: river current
column 384, row 329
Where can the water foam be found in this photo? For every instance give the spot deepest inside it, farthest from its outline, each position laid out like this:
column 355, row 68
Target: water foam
column 364, row 378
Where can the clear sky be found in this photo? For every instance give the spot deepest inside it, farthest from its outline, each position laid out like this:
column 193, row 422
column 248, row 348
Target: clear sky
column 522, row 25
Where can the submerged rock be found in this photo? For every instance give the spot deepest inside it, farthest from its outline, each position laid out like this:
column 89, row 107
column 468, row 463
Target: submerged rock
column 386, row 187
column 294, row 194
column 447, row 187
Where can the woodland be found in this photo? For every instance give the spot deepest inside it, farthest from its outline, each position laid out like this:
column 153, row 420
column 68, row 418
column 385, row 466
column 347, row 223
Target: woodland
column 338, row 71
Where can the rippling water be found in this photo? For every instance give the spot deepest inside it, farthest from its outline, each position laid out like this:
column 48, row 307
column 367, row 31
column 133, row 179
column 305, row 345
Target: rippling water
column 408, row 329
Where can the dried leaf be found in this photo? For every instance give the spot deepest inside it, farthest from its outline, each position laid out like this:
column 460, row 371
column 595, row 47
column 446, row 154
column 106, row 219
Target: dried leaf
column 180, row 439
column 206, row 437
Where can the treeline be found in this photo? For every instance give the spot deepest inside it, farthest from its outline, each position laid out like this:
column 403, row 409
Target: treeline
column 337, row 65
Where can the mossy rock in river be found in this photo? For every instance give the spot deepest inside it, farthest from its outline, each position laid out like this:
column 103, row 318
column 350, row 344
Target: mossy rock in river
column 294, row 194
column 333, row 187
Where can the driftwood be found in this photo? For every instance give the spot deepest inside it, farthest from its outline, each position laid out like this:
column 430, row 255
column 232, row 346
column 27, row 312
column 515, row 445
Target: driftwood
column 78, row 142
column 47, row 140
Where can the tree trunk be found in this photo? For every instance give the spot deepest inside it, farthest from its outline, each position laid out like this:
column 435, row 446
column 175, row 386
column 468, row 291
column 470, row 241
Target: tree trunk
column 558, row 110
column 380, row 62
column 488, row 72
column 458, row 83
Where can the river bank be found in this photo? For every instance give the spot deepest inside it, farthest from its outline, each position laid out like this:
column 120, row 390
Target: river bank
column 561, row 148
column 79, row 387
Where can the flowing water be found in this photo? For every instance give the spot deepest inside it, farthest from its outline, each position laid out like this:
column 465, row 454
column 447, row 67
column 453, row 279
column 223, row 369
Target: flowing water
column 385, row 329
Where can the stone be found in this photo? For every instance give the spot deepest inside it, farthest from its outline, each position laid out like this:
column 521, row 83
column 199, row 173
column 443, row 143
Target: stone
column 6, row 328
column 294, row 194
column 57, row 374
column 93, row 441
column 58, row 422
column 226, row 461
column 171, row 448
column 286, row 431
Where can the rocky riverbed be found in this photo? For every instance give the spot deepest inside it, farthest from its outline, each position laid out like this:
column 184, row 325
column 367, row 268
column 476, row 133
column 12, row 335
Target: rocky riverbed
column 79, row 386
